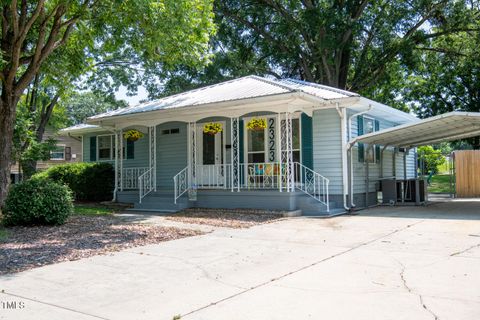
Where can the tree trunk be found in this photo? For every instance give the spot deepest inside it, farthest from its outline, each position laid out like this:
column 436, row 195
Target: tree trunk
column 8, row 105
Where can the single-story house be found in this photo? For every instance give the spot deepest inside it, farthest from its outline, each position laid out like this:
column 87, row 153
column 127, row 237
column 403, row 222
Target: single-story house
column 251, row 142
column 68, row 149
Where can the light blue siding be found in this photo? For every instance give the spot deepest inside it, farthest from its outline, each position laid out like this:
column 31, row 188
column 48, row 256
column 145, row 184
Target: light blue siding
column 172, row 153
column 359, row 168
column 327, row 147
column 140, row 152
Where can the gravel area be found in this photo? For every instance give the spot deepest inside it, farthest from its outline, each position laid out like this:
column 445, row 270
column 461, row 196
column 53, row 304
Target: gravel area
column 230, row 218
column 82, row 236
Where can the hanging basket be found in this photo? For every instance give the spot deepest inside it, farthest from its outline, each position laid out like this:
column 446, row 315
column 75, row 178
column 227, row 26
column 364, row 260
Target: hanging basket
column 212, row 128
column 132, row 135
column 257, row 124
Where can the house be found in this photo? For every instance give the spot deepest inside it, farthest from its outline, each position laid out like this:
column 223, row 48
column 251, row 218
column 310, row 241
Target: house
column 281, row 144
column 68, row 149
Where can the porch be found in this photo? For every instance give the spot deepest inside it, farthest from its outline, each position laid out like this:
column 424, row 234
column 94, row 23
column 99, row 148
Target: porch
column 246, row 164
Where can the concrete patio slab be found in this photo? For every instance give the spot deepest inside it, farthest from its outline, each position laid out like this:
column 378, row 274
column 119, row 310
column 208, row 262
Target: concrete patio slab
column 385, row 263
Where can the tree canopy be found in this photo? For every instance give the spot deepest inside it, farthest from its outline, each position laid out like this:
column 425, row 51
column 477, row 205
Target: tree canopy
column 107, row 38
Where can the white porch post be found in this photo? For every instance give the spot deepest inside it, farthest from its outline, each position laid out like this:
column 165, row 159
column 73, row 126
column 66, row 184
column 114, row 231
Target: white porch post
column 120, row 156
column 152, row 147
column 118, row 163
column 287, row 152
column 279, row 137
column 235, row 153
column 192, row 154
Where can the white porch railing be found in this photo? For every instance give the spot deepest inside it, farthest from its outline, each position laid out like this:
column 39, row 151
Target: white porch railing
column 130, row 177
column 180, row 183
column 312, row 183
column 146, row 183
column 272, row 175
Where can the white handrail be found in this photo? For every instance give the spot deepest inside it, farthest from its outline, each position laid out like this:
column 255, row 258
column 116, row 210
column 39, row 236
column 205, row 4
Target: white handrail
column 270, row 175
column 146, row 183
column 312, row 183
column 180, row 183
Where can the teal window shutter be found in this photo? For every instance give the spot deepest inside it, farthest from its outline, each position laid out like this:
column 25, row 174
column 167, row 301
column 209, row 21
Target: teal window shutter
column 377, row 147
column 93, row 148
column 130, row 149
column 361, row 146
column 307, row 141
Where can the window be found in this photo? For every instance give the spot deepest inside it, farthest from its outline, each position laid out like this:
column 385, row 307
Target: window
column 58, row 153
column 366, row 153
column 256, row 146
column 171, row 131
column 105, row 147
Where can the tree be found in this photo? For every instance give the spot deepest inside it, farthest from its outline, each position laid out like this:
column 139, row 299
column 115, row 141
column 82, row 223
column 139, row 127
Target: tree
column 164, row 33
column 80, row 106
column 431, row 158
column 448, row 80
column 358, row 45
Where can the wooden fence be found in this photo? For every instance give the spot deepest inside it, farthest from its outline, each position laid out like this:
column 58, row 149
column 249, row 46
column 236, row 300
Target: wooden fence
column 467, row 173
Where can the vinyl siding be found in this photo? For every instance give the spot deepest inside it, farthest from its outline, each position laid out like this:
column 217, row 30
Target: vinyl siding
column 327, row 147
column 172, row 154
column 359, row 169
column 140, row 152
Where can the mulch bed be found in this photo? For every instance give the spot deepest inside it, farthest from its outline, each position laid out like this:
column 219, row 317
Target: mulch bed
column 230, row 218
column 82, row 236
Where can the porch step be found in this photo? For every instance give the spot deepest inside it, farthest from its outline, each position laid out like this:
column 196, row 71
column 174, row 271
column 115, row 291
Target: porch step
column 311, row 207
column 162, row 201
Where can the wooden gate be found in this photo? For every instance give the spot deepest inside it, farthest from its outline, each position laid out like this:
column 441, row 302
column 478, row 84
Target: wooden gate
column 467, row 173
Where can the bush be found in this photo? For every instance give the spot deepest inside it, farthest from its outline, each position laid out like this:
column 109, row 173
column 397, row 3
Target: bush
column 37, row 202
column 88, row 181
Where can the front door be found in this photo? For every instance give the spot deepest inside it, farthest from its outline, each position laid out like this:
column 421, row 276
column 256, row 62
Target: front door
column 211, row 159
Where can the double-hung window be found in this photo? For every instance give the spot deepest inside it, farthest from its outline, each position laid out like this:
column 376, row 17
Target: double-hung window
column 106, row 147
column 367, row 153
column 58, row 153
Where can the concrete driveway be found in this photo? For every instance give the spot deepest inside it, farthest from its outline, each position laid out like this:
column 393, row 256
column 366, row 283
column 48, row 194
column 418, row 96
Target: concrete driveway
column 386, row 263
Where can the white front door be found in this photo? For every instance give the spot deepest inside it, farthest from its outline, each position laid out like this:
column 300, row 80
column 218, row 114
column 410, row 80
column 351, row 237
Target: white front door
column 210, row 159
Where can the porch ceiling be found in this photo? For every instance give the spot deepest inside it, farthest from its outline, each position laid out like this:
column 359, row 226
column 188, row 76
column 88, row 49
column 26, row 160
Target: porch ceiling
column 446, row 127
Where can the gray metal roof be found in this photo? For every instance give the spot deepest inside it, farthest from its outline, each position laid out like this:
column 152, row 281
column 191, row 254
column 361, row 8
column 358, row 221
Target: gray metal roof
column 238, row 89
column 446, row 127
column 80, row 128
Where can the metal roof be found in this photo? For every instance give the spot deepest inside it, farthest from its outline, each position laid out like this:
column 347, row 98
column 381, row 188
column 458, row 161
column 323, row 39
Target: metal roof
column 80, row 128
column 238, row 89
column 446, row 127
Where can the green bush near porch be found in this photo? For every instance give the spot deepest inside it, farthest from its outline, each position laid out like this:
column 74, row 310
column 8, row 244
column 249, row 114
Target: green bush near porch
column 88, row 181
column 37, row 202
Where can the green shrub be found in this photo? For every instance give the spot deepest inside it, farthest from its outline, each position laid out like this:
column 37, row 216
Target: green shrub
column 37, row 202
column 88, row 181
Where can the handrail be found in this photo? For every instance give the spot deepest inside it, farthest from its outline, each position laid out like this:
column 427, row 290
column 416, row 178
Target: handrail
column 255, row 176
column 180, row 183
column 146, row 183
column 312, row 183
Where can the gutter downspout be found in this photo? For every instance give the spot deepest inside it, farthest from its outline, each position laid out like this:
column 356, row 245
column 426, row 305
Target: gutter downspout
column 370, row 107
column 343, row 124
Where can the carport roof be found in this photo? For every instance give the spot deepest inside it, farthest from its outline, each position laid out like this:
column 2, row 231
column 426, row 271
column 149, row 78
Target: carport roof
column 446, row 127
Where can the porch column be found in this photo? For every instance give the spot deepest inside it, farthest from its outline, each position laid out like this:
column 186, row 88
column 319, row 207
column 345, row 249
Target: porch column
column 152, row 146
column 279, row 138
column 287, row 152
column 192, row 154
column 118, row 161
column 235, row 153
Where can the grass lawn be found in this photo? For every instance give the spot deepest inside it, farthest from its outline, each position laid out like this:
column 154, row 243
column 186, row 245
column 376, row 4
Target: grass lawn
column 3, row 233
column 92, row 209
column 440, row 184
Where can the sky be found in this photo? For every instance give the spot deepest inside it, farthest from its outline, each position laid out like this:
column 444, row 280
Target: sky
column 141, row 95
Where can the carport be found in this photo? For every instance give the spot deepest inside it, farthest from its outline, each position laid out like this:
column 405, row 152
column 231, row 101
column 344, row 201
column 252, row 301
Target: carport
column 443, row 128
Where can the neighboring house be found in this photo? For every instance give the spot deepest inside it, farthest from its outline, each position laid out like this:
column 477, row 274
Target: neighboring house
column 299, row 161
column 68, row 149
